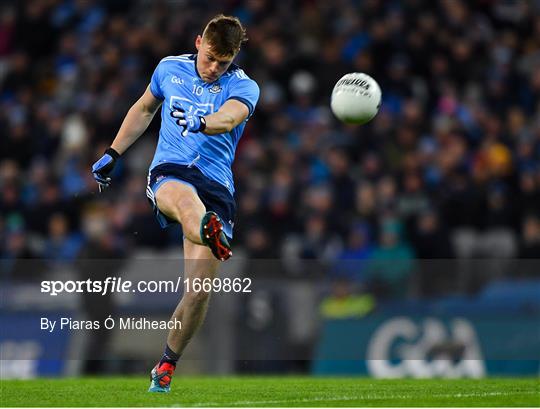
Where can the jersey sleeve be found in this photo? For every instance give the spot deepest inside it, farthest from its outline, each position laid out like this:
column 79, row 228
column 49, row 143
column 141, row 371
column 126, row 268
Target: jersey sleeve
column 155, row 82
column 245, row 90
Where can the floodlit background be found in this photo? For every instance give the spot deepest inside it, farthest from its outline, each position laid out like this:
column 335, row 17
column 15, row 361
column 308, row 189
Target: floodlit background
column 403, row 238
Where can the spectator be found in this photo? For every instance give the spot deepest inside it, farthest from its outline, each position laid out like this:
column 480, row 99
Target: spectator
column 61, row 244
column 391, row 265
column 530, row 241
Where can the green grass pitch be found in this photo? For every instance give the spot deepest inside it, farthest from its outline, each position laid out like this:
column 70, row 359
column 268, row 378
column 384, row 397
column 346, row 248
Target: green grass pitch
column 271, row 392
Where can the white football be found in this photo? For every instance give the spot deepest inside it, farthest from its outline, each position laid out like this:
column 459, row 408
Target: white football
column 356, row 98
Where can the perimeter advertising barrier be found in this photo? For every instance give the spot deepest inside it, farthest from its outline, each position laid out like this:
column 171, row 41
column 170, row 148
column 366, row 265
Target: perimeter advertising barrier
column 484, row 321
column 396, row 346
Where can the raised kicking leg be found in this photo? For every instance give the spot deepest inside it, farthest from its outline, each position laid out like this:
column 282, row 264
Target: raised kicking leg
column 180, row 202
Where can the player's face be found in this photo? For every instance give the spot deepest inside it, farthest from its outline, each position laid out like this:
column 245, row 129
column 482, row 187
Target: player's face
column 210, row 65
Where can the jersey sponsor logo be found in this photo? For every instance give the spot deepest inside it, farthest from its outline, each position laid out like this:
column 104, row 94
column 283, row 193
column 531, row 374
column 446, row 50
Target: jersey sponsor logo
column 176, row 80
column 215, row 89
column 192, row 107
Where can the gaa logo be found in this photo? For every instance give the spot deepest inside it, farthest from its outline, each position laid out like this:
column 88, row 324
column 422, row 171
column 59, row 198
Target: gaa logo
column 176, row 80
column 402, row 347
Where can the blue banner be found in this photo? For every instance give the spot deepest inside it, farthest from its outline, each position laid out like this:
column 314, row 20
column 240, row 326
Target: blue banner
column 26, row 351
column 394, row 346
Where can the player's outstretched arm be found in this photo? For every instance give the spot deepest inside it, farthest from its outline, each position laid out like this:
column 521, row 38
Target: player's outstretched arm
column 136, row 121
column 231, row 114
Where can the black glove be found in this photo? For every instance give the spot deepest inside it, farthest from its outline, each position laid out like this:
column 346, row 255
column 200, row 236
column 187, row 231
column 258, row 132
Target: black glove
column 103, row 167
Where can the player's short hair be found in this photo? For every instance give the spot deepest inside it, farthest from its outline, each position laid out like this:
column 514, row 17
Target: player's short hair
column 225, row 34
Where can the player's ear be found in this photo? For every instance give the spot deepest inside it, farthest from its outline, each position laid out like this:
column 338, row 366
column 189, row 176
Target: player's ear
column 198, row 42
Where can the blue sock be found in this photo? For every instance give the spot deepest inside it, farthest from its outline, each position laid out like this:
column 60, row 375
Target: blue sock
column 169, row 356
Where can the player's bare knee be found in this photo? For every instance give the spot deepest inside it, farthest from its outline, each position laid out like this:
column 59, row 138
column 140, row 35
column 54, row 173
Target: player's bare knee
column 173, row 209
column 186, row 207
column 178, row 212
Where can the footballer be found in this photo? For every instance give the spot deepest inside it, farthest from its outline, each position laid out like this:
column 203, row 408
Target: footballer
column 205, row 103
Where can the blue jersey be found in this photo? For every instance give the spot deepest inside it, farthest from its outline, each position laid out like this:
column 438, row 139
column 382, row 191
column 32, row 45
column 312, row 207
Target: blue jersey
column 176, row 80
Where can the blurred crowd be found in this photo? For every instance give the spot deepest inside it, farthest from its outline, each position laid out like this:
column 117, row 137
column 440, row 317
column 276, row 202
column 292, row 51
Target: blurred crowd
column 448, row 169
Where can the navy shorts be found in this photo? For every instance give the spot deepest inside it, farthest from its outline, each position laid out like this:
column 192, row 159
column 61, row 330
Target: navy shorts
column 214, row 196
